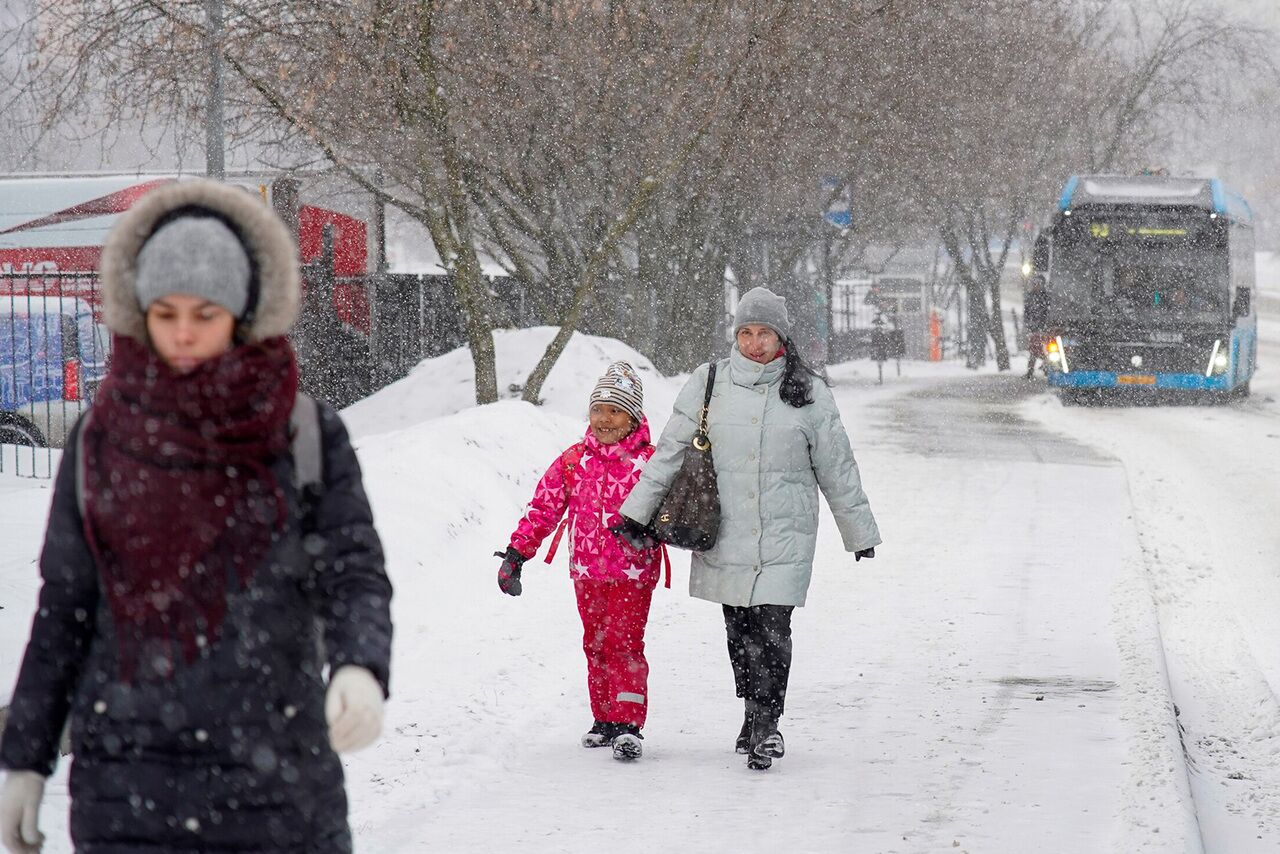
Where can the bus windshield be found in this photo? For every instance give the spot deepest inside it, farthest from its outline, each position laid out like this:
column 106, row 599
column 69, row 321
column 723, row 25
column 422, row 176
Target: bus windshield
column 1166, row 268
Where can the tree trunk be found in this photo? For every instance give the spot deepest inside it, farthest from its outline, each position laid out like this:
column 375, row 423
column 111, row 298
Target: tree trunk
column 976, row 355
column 996, row 326
column 473, row 296
column 647, row 306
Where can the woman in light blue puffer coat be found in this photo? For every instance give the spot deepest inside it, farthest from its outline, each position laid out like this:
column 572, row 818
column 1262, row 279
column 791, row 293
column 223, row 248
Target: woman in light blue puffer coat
column 777, row 439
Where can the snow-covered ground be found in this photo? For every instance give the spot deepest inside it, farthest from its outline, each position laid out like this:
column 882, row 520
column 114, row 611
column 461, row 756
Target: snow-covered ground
column 992, row 682
column 1205, row 500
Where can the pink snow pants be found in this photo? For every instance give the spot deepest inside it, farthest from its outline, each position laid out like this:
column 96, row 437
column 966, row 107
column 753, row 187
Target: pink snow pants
column 614, row 614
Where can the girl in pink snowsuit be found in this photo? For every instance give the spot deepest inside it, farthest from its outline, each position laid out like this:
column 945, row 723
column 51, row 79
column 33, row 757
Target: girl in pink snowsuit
column 614, row 582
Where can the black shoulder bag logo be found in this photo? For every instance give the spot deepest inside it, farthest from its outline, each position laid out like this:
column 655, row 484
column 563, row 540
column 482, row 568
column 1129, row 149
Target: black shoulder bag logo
column 689, row 516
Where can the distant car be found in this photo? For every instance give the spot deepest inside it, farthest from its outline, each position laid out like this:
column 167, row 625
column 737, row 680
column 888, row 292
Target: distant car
column 53, row 356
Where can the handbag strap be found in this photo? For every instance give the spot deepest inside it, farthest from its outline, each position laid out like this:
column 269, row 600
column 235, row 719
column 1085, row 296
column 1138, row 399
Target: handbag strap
column 706, row 400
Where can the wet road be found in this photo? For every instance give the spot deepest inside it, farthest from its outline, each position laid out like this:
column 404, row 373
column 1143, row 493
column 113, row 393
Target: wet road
column 977, row 419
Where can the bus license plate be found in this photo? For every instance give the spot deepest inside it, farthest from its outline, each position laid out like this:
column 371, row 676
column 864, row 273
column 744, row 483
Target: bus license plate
column 1135, row 379
column 1164, row 337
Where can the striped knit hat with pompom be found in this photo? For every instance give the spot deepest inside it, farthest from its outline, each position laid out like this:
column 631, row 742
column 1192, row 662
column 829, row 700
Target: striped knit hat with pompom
column 621, row 387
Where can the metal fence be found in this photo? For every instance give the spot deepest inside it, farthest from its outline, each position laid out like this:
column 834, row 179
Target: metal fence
column 867, row 313
column 53, row 355
column 414, row 318
column 357, row 335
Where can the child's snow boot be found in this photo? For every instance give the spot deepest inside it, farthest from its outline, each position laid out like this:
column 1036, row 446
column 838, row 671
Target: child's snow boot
column 626, row 742
column 600, row 734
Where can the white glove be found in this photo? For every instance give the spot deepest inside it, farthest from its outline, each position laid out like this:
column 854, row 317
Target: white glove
column 19, row 807
column 353, row 708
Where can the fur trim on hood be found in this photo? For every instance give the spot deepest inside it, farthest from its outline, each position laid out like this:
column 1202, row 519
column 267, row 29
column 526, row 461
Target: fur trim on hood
column 266, row 239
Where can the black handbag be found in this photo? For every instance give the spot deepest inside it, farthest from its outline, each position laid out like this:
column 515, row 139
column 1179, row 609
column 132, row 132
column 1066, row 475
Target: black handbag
column 689, row 515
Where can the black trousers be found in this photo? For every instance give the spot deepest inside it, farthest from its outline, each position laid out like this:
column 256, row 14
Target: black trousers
column 760, row 652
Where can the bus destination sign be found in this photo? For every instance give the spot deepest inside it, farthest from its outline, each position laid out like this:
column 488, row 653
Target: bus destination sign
column 1109, row 230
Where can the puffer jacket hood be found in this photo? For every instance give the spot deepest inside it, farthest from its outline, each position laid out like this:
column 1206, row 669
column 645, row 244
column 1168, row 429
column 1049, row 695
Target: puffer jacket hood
column 266, row 239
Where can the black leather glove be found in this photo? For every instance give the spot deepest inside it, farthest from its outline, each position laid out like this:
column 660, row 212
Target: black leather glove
column 639, row 537
column 509, row 572
column 861, row 553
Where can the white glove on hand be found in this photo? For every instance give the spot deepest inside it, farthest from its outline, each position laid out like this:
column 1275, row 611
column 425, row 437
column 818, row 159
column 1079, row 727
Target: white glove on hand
column 353, row 709
column 19, row 808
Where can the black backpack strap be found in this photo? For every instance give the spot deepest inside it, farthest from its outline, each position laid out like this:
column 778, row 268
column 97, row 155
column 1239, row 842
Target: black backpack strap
column 306, row 445
column 80, row 462
column 304, row 442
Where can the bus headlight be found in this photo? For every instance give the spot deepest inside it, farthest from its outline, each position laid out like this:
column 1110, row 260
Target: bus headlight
column 1219, row 360
column 1055, row 354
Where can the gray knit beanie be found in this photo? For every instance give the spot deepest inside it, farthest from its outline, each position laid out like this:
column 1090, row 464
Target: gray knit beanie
column 621, row 387
column 763, row 306
column 197, row 255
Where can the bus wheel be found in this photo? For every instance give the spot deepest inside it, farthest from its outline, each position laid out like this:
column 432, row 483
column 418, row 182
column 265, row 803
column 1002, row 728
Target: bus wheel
column 17, row 431
column 1241, row 390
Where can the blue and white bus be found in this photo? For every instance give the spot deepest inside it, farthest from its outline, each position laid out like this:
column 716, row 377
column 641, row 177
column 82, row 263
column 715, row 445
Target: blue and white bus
column 1150, row 282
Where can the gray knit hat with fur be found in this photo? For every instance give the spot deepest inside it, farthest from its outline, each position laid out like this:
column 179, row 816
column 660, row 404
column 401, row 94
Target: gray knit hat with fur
column 763, row 306
column 197, row 255
column 264, row 236
column 621, row 387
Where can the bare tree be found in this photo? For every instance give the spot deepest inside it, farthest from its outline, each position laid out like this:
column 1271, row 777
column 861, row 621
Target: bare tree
column 474, row 112
column 1157, row 65
column 1040, row 89
column 617, row 158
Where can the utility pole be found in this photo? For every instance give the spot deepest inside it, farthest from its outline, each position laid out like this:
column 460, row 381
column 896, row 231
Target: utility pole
column 380, row 225
column 215, row 161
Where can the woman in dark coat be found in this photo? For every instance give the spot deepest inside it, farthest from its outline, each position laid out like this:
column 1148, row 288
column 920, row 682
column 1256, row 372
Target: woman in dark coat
column 195, row 588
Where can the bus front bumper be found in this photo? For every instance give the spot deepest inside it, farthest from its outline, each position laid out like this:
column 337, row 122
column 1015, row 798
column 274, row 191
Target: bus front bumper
column 1112, row 379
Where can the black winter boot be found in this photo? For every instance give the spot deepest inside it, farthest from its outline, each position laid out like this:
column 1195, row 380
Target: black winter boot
column 743, row 744
column 766, row 741
column 600, row 734
column 626, row 742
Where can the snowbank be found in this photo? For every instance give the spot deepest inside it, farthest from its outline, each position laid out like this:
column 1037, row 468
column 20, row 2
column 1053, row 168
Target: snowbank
column 446, row 384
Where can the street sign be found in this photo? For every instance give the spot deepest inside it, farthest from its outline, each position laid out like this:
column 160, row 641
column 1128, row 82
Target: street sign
column 839, row 203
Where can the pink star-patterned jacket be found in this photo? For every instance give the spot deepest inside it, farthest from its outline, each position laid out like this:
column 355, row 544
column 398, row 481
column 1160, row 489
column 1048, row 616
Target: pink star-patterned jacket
column 599, row 482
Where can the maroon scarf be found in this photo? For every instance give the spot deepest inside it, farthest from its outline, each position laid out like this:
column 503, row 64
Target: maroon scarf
column 179, row 493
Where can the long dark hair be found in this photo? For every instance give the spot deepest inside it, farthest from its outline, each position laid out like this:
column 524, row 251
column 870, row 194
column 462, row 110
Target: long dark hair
column 797, row 377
